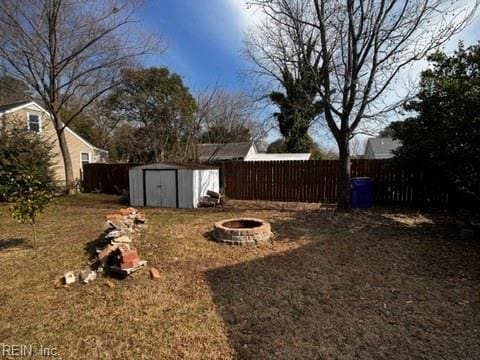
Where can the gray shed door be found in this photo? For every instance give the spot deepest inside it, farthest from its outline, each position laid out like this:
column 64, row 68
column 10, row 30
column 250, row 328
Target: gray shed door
column 161, row 189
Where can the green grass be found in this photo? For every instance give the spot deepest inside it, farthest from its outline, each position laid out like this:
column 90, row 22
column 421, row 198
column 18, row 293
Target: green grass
column 372, row 284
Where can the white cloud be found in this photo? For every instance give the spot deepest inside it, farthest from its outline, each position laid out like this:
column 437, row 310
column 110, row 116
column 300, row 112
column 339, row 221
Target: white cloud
column 470, row 35
column 245, row 15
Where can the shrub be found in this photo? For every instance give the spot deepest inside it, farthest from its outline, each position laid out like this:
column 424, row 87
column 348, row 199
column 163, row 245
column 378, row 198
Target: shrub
column 26, row 178
column 22, row 154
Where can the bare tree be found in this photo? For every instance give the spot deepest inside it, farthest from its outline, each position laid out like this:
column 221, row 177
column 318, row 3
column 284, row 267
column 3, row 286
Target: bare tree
column 104, row 123
column 288, row 77
column 69, row 48
column 364, row 46
column 12, row 90
column 224, row 116
column 96, row 123
column 272, row 46
column 356, row 147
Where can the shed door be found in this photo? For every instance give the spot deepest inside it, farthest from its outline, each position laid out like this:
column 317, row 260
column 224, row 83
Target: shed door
column 161, row 188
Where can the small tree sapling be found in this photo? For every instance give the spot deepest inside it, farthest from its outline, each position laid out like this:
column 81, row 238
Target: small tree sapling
column 30, row 198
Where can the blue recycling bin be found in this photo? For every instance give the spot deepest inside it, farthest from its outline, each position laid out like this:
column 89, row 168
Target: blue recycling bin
column 361, row 190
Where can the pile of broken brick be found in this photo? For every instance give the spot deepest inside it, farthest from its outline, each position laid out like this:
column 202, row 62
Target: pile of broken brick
column 117, row 255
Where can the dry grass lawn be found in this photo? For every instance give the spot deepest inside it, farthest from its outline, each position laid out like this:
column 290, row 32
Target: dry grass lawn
column 386, row 283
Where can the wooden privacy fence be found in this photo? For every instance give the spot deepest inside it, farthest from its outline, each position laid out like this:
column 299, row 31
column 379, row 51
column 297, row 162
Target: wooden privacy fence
column 305, row 181
column 316, row 181
column 106, row 178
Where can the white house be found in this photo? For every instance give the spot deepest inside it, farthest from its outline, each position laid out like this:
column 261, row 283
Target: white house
column 245, row 151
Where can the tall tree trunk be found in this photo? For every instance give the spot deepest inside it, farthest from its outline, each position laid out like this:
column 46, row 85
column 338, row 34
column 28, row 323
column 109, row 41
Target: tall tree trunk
column 157, row 149
column 67, row 162
column 52, row 8
column 343, row 188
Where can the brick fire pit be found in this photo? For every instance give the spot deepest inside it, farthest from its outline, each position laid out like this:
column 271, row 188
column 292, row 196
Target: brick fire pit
column 242, row 231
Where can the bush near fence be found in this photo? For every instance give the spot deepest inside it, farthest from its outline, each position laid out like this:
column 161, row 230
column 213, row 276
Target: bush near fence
column 304, row 181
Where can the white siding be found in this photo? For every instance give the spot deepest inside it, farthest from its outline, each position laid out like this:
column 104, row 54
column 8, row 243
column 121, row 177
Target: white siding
column 205, row 180
column 251, row 153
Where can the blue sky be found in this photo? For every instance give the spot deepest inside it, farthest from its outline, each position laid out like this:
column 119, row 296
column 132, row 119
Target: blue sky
column 204, row 41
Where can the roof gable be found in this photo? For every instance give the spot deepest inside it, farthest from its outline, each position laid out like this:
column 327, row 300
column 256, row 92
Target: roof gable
column 13, row 106
column 382, row 146
column 9, row 108
column 211, row 152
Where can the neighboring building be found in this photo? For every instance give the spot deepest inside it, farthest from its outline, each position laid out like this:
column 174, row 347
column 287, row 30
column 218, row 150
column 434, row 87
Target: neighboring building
column 230, row 151
column 381, row 148
column 30, row 115
column 245, row 151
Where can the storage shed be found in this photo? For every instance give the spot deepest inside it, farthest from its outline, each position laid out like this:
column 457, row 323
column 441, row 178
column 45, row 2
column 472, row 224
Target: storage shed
column 172, row 185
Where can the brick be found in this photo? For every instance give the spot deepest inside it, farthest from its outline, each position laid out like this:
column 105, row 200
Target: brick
column 69, row 278
column 87, row 275
column 105, row 254
column 123, row 239
column 130, row 255
column 129, row 264
column 262, row 237
column 115, row 234
column 127, row 211
column 123, row 247
column 127, row 249
column 124, row 212
column 154, row 273
column 122, row 224
column 114, row 216
column 140, row 217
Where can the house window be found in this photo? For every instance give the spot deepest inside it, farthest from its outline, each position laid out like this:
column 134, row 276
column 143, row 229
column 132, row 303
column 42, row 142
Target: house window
column 85, row 158
column 34, row 123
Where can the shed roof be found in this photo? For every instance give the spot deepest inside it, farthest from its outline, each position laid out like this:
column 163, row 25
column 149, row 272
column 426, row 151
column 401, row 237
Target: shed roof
column 212, row 152
column 382, row 147
column 177, row 165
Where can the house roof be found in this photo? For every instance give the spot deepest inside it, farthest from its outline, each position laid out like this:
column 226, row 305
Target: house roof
column 12, row 107
column 6, row 107
column 278, row 157
column 212, row 152
column 382, row 147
